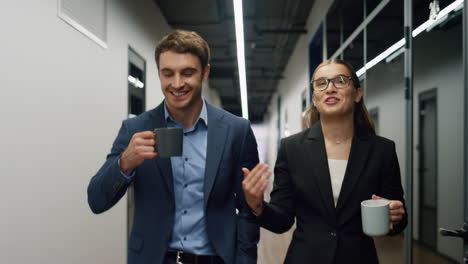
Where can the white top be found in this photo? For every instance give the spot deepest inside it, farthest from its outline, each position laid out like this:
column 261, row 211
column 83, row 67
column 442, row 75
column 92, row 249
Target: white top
column 337, row 172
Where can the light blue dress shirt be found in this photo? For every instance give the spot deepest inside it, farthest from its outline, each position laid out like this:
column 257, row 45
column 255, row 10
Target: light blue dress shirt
column 190, row 233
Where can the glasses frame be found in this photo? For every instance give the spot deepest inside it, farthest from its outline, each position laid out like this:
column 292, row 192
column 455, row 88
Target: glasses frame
column 350, row 78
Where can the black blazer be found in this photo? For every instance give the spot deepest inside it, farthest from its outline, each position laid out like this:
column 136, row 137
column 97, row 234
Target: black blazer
column 302, row 191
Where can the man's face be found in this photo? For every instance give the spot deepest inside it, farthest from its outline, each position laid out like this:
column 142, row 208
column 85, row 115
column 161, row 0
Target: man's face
column 181, row 78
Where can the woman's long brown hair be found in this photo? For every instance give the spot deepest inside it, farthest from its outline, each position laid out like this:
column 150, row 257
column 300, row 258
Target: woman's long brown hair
column 362, row 120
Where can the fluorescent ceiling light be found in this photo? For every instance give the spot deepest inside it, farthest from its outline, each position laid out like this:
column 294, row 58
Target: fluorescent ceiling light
column 394, row 55
column 386, row 53
column 398, row 46
column 239, row 22
column 361, row 71
column 135, row 82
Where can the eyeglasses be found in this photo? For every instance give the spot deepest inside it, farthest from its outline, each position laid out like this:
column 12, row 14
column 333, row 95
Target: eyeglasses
column 339, row 82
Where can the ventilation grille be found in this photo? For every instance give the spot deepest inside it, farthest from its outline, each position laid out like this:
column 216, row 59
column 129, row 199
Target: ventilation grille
column 88, row 17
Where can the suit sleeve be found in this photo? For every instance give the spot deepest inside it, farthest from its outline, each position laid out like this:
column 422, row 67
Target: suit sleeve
column 248, row 232
column 278, row 215
column 391, row 185
column 109, row 185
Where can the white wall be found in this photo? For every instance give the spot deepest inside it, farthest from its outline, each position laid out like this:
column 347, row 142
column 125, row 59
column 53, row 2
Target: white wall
column 261, row 135
column 385, row 91
column 62, row 102
column 211, row 95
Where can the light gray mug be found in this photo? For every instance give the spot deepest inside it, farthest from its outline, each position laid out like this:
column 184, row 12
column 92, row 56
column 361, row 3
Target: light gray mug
column 375, row 216
column 169, row 141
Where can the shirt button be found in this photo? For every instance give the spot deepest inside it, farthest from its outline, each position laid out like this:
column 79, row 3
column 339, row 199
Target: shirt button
column 186, row 159
column 185, row 185
column 185, row 211
column 185, row 238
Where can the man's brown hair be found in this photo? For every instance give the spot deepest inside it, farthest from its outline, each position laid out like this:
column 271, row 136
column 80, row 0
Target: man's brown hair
column 182, row 41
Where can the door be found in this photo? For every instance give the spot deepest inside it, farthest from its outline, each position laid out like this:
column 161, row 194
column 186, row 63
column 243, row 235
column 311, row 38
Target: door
column 428, row 169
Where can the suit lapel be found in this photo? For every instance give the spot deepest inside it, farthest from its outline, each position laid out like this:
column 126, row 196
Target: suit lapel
column 315, row 148
column 357, row 159
column 217, row 134
column 156, row 120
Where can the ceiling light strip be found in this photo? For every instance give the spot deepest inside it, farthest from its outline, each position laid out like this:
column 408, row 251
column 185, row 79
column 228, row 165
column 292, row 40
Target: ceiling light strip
column 399, row 45
column 239, row 22
column 440, row 17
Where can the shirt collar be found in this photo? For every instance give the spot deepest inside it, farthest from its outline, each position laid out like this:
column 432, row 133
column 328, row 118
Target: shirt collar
column 203, row 114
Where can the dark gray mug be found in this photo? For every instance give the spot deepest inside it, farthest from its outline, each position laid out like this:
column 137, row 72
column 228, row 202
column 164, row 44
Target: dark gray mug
column 169, row 141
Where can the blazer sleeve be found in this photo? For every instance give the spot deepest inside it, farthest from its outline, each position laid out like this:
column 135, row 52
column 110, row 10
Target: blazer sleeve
column 109, row 185
column 248, row 231
column 391, row 187
column 278, row 215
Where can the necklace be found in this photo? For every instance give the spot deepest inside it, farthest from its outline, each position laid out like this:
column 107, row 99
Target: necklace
column 340, row 141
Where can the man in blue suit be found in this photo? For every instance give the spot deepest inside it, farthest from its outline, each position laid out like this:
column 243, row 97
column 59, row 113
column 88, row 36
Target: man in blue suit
column 188, row 209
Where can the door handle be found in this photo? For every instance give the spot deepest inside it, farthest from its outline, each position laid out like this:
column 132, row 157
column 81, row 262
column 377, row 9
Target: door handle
column 454, row 233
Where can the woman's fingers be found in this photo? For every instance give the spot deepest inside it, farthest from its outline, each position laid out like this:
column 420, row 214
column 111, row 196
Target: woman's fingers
column 250, row 176
column 255, row 181
column 255, row 175
column 394, row 205
column 246, row 172
column 396, row 210
column 396, row 215
column 260, row 186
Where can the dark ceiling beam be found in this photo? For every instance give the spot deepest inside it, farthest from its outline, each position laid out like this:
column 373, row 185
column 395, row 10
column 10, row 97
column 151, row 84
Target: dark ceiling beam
column 218, row 46
column 230, row 59
column 261, row 91
column 182, row 24
column 222, row 73
column 281, row 31
column 250, row 68
column 269, row 77
column 263, row 68
column 247, row 19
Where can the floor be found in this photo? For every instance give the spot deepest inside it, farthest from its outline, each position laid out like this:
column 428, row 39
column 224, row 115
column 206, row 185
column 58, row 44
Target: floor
column 391, row 250
column 272, row 250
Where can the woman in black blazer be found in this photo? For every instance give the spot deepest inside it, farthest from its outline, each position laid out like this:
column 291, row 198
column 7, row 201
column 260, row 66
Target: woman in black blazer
column 324, row 173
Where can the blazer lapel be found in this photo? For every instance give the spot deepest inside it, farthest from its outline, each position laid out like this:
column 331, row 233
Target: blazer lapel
column 217, row 134
column 315, row 148
column 164, row 166
column 360, row 147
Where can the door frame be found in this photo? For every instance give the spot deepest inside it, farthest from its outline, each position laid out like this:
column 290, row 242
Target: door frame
column 465, row 84
column 133, row 57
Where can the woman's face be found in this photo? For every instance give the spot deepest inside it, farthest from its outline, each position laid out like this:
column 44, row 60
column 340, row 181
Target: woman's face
column 332, row 101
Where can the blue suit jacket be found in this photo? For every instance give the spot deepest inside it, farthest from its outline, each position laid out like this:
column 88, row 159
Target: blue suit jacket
column 231, row 146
